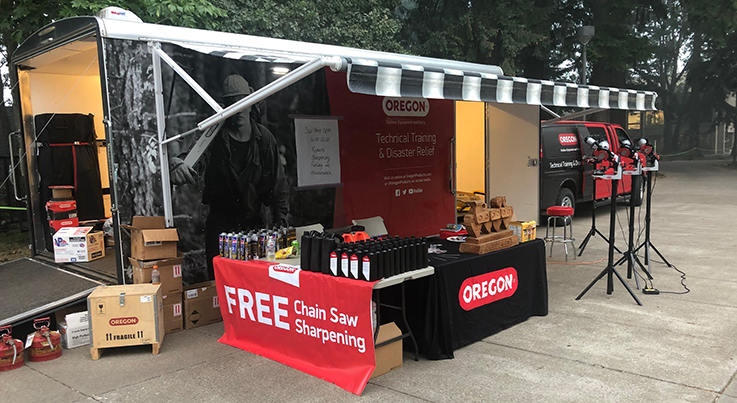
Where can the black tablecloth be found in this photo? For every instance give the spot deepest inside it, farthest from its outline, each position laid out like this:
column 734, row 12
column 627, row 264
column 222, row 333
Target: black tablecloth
column 434, row 311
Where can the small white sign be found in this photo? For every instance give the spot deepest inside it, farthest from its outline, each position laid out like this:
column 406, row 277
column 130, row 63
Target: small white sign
column 145, row 299
column 192, row 294
column 318, row 151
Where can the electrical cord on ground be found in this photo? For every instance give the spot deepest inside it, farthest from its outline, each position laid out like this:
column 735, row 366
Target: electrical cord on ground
column 683, row 279
column 577, row 263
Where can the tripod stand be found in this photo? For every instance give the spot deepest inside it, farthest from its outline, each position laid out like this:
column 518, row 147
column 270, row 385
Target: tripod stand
column 647, row 244
column 630, row 256
column 594, row 231
column 609, row 270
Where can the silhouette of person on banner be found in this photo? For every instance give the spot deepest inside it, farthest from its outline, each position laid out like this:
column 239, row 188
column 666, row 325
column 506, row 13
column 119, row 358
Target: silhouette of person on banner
column 243, row 174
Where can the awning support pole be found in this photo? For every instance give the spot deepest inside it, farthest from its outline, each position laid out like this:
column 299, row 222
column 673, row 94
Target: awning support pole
column 574, row 115
column 271, row 89
column 188, row 79
column 211, row 125
column 161, row 131
column 546, row 109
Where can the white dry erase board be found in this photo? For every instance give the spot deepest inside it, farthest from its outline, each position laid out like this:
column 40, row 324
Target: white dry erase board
column 318, row 151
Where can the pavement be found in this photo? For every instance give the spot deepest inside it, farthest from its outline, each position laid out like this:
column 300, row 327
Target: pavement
column 606, row 348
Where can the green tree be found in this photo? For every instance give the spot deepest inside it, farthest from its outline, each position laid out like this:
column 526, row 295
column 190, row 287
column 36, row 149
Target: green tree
column 477, row 31
column 619, row 44
column 664, row 71
column 21, row 18
column 366, row 24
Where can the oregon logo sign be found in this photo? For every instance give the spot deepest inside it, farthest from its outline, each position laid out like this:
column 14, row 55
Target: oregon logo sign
column 567, row 139
column 123, row 321
column 405, row 106
column 487, row 288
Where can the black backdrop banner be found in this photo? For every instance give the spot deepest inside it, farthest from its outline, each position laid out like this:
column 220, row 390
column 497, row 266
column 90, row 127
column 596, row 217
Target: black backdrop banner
column 434, row 304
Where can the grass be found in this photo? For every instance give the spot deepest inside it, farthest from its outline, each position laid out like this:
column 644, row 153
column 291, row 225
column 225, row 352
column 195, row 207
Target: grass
column 14, row 245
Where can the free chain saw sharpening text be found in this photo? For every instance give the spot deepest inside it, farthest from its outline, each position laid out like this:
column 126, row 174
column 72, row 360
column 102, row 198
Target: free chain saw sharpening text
column 244, row 301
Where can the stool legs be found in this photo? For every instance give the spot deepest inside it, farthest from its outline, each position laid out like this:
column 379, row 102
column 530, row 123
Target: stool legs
column 567, row 235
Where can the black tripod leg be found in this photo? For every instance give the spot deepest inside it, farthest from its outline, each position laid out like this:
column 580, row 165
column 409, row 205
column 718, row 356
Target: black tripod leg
column 627, row 287
column 642, row 266
column 608, row 241
column 661, row 255
column 603, row 272
column 585, row 242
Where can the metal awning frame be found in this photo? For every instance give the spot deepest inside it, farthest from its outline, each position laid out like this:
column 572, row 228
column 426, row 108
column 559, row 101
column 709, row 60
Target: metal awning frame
column 211, row 126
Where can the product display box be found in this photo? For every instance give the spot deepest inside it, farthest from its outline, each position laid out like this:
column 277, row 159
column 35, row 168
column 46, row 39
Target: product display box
column 126, row 315
column 170, row 271
column 525, row 230
column 173, row 319
column 74, row 329
column 201, row 305
column 388, row 357
column 150, row 239
column 78, row 244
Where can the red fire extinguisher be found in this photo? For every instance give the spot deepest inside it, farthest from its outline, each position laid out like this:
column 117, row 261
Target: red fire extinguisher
column 45, row 343
column 11, row 350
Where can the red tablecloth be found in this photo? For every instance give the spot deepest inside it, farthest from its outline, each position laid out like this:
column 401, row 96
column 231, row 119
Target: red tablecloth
column 315, row 323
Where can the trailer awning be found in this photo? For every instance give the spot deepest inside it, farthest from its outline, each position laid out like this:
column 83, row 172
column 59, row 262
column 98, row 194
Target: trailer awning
column 470, row 82
column 374, row 78
column 254, row 55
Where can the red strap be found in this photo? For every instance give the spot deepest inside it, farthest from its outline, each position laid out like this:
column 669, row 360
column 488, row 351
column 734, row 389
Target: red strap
column 74, row 155
column 76, row 143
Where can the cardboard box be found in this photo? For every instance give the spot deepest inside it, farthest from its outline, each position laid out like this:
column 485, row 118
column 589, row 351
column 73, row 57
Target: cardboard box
column 201, row 305
column 173, row 319
column 61, row 192
column 74, row 329
column 388, row 357
column 78, row 244
column 170, row 271
column 150, row 239
column 126, row 315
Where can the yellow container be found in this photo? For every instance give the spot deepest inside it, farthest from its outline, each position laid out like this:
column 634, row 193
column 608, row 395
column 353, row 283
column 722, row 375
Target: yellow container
column 525, row 230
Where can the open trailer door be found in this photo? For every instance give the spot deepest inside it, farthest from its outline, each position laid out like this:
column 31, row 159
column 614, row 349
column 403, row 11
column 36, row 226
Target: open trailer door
column 63, row 144
column 64, row 136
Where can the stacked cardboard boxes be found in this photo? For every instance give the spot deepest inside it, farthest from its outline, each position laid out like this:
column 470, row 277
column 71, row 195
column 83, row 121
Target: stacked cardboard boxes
column 152, row 244
column 201, row 305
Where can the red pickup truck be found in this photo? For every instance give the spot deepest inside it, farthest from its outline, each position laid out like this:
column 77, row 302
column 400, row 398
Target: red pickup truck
column 565, row 179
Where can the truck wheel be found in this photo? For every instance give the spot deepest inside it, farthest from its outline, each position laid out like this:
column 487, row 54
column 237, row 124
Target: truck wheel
column 567, row 199
column 638, row 189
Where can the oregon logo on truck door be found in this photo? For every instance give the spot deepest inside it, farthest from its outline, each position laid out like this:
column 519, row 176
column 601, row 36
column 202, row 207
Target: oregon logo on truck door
column 567, row 139
column 487, row 288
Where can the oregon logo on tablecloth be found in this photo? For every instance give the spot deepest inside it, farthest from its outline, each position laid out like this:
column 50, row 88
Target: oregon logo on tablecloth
column 487, row 288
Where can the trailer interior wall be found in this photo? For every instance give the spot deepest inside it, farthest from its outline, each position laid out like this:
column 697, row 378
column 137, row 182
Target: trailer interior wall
column 59, row 93
column 470, row 155
column 513, row 133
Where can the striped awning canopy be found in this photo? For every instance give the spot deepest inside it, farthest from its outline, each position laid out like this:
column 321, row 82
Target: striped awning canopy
column 373, row 78
column 431, row 80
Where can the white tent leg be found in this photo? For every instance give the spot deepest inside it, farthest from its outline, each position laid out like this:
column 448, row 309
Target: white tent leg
column 161, row 131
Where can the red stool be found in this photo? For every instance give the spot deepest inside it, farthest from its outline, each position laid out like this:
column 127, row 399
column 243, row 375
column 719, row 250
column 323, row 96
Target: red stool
column 565, row 214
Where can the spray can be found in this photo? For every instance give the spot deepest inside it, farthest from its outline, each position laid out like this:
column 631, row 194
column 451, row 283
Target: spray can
column 243, row 251
column 221, row 243
column 233, row 246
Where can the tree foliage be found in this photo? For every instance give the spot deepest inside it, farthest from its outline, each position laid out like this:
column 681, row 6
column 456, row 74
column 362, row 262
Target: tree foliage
column 683, row 49
column 367, row 24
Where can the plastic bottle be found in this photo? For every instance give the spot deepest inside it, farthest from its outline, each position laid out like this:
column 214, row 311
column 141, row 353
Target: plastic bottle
column 271, row 249
column 155, row 275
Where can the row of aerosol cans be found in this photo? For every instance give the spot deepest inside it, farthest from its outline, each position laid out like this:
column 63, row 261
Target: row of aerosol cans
column 253, row 244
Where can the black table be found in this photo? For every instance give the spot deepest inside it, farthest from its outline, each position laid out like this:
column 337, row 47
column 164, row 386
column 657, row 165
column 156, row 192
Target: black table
column 435, row 304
